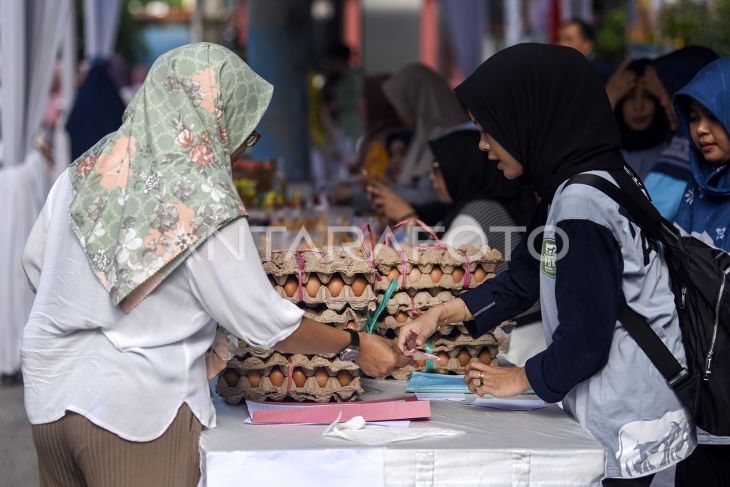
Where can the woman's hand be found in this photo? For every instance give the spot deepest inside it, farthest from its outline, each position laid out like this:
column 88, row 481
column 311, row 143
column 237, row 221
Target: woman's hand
column 413, row 336
column 379, row 357
column 621, row 83
column 387, row 203
column 655, row 88
column 498, row 381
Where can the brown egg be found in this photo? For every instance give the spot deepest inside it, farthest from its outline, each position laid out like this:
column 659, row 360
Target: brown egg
column 351, row 325
column 344, row 378
column 443, row 359
column 393, row 274
column 299, row 377
column 480, row 274
column 254, row 378
column 231, row 377
column 414, row 276
column 290, row 286
column 276, row 376
column 321, row 376
column 463, row 357
column 485, row 357
column 313, row 284
column 421, row 363
column 401, row 317
column 458, row 274
column 358, row 285
column 436, row 274
column 335, row 285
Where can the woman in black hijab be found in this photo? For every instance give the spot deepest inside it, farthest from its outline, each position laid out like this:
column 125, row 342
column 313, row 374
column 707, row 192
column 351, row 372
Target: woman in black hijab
column 545, row 117
column 479, row 202
column 477, row 191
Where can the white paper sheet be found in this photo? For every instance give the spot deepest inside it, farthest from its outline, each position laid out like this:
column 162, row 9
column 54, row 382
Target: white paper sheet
column 509, row 404
column 256, row 406
column 440, row 396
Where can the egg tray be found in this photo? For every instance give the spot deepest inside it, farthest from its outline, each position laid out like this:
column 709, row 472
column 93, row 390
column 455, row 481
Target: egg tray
column 347, row 261
column 418, row 264
column 345, row 298
column 419, row 278
column 452, row 365
column 415, row 301
column 456, row 332
column 443, row 255
column 264, row 361
column 345, row 318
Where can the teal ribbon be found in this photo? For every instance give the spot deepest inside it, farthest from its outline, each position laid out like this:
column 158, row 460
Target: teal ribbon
column 372, row 321
column 429, row 349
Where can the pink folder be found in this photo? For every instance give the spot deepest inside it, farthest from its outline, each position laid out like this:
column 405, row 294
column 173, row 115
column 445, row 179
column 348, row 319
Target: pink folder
column 378, row 410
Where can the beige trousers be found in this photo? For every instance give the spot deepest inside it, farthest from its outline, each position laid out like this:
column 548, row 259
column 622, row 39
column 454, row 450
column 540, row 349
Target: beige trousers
column 74, row 452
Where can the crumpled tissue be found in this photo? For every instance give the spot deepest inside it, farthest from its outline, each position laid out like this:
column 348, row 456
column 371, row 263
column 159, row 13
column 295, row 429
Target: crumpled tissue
column 358, row 431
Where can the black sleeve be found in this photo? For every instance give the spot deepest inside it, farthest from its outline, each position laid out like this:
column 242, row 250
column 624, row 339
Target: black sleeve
column 511, row 292
column 587, row 294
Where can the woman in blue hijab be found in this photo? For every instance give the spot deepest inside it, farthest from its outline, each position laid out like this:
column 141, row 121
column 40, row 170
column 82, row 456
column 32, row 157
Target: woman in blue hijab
column 703, row 109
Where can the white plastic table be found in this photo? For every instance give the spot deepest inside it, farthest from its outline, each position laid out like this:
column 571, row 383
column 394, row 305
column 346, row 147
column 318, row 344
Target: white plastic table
column 543, row 447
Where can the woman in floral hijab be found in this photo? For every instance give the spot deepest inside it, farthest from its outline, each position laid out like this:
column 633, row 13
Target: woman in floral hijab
column 148, row 194
column 113, row 350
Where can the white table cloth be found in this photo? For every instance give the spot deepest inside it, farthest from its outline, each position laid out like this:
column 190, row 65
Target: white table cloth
column 501, row 448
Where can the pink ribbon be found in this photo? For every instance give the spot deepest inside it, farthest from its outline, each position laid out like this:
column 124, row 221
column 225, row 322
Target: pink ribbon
column 407, row 221
column 289, row 372
column 467, row 276
column 300, row 269
column 414, row 310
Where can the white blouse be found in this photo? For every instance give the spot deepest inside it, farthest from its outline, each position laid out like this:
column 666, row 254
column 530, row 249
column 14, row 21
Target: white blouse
column 129, row 373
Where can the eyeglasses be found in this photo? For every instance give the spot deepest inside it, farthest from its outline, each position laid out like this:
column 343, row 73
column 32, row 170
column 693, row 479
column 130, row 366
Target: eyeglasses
column 252, row 139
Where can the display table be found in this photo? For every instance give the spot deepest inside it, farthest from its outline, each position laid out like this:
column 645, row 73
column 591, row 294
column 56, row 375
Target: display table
column 500, row 448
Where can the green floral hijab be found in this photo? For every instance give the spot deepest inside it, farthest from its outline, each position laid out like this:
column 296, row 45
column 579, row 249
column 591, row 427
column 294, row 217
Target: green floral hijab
column 148, row 194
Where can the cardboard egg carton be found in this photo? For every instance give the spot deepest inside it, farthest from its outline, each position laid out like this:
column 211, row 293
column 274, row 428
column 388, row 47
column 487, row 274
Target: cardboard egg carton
column 438, row 266
column 267, row 375
column 452, row 359
column 347, row 261
column 344, row 318
column 354, row 291
column 415, row 302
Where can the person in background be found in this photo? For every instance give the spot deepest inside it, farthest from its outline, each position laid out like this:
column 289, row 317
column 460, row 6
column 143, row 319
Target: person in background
column 381, row 120
column 342, row 94
column 667, row 180
column 702, row 108
column 97, row 109
column 427, row 105
column 113, row 351
column 644, row 113
column 580, row 35
column 543, row 120
column 481, row 202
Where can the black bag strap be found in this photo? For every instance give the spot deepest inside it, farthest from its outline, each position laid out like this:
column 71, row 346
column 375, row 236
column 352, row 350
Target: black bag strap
column 636, row 325
column 651, row 344
column 639, row 207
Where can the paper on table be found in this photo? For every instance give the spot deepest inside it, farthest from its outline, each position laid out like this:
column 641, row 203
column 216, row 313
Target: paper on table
column 326, row 412
column 440, row 396
column 358, row 431
column 509, row 403
column 424, row 382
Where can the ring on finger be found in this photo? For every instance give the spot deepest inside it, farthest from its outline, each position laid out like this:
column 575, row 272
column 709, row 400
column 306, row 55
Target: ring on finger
column 481, row 379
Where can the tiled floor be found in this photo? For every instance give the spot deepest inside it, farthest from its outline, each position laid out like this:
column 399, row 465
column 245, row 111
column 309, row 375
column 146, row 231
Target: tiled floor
column 18, row 466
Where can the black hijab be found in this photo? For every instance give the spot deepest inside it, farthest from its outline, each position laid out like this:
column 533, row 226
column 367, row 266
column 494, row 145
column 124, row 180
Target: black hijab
column 653, row 135
column 548, row 108
column 470, row 176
